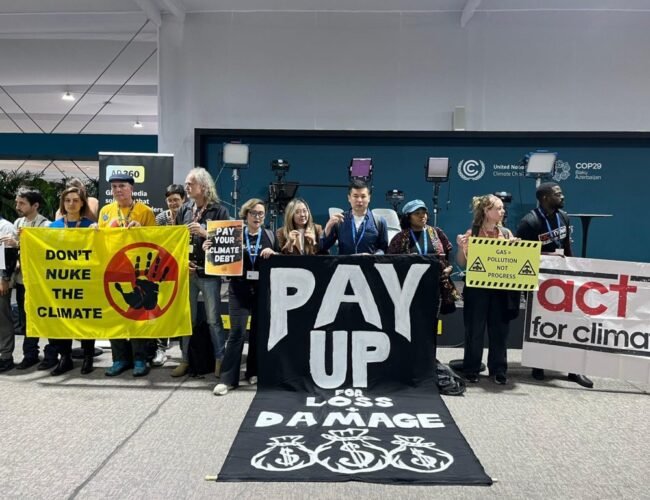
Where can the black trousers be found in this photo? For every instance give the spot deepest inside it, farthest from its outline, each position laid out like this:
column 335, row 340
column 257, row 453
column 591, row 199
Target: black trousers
column 64, row 346
column 485, row 309
column 242, row 303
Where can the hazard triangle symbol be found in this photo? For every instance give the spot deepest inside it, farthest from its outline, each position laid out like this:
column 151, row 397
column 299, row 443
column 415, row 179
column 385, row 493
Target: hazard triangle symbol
column 527, row 269
column 477, row 266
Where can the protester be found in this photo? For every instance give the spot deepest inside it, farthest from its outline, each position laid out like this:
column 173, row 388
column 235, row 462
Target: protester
column 126, row 212
column 28, row 203
column 358, row 231
column 174, row 197
column 418, row 237
column 242, row 297
column 73, row 203
column 486, row 307
column 7, row 334
column 550, row 224
column 203, row 206
column 92, row 204
column 299, row 235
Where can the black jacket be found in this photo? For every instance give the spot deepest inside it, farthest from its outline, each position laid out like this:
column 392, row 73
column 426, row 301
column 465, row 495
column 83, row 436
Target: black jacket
column 185, row 215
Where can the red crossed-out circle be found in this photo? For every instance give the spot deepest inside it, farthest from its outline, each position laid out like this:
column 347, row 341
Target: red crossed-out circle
column 121, row 270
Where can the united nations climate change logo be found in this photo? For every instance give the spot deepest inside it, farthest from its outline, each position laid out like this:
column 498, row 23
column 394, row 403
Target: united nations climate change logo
column 471, row 170
column 562, row 171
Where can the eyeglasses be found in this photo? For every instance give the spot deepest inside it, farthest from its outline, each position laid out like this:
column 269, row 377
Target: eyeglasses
column 255, row 214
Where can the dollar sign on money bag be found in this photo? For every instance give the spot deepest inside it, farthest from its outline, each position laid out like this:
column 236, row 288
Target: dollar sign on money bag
column 351, row 451
column 284, row 453
column 415, row 454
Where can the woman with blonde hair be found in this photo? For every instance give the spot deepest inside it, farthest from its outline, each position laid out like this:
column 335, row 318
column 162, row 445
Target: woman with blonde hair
column 485, row 308
column 299, row 235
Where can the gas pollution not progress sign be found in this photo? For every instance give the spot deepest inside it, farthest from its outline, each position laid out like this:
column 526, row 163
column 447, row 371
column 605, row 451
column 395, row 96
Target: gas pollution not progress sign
column 503, row 264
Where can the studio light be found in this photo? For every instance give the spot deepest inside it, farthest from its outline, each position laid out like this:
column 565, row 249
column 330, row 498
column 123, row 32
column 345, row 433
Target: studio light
column 437, row 170
column 540, row 163
column 67, row 96
column 235, row 155
column 361, row 169
column 138, row 124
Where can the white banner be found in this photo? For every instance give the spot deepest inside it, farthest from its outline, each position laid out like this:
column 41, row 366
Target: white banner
column 590, row 317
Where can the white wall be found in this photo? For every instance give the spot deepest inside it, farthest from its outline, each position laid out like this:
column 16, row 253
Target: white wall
column 401, row 71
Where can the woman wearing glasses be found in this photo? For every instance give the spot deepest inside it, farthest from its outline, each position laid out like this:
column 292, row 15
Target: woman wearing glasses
column 242, row 297
column 299, row 235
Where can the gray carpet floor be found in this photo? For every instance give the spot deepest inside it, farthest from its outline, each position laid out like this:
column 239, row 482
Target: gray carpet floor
column 96, row 437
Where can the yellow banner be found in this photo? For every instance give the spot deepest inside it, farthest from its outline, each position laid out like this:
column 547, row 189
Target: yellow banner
column 106, row 284
column 502, row 264
column 226, row 255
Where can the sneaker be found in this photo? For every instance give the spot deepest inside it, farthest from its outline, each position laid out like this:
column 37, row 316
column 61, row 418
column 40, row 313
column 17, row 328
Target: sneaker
column 217, row 367
column 181, row 369
column 160, row 358
column 27, row 362
column 117, row 368
column 471, row 377
column 6, row 364
column 221, row 389
column 140, row 368
column 252, row 380
column 500, row 379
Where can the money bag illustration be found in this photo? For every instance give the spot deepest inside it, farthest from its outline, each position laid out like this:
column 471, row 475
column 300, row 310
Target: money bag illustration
column 351, row 451
column 284, row 453
column 415, row 454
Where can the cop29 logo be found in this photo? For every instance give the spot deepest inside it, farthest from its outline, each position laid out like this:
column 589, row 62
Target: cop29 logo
column 471, row 170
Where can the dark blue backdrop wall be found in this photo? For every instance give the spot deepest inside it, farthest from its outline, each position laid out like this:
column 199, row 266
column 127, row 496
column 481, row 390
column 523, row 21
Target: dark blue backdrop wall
column 605, row 173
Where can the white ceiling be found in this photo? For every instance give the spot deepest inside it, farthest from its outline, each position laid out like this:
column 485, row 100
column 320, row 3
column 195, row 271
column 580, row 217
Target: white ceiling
column 48, row 47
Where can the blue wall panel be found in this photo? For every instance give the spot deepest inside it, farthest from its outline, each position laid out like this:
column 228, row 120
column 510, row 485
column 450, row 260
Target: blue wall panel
column 619, row 169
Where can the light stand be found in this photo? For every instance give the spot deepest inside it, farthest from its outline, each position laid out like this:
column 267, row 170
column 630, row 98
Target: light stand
column 437, row 171
column 395, row 197
column 235, row 156
column 280, row 192
column 540, row 164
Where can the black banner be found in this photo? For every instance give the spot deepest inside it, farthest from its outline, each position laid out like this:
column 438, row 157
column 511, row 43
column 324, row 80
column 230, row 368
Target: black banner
column 151, row 172
column 347, row 377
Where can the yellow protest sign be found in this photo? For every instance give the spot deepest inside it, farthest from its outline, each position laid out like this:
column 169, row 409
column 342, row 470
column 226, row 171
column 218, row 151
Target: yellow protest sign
column 502, row 264
column 226, row 255
column 106, row 284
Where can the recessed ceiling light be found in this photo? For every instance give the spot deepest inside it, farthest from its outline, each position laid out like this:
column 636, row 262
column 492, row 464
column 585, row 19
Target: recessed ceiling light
column 138, row 124
column 67, row 97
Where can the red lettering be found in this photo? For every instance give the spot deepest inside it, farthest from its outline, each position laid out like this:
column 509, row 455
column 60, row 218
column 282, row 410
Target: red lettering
column 566, row 304
column 580, row 298
column 622, row 288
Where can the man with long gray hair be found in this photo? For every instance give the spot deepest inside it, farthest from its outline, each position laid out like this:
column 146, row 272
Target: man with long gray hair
column 202, row 207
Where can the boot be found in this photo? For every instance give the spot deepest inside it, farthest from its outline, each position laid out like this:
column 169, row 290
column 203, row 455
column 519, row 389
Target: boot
column 87, row 365
column 65, row 365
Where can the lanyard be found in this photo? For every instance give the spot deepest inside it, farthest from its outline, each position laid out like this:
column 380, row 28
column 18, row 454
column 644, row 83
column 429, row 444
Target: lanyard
column 354, row 232
column 67, row 224
column 417, row 245
column 122, row 221
column 556, row 239
column 253, row 255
